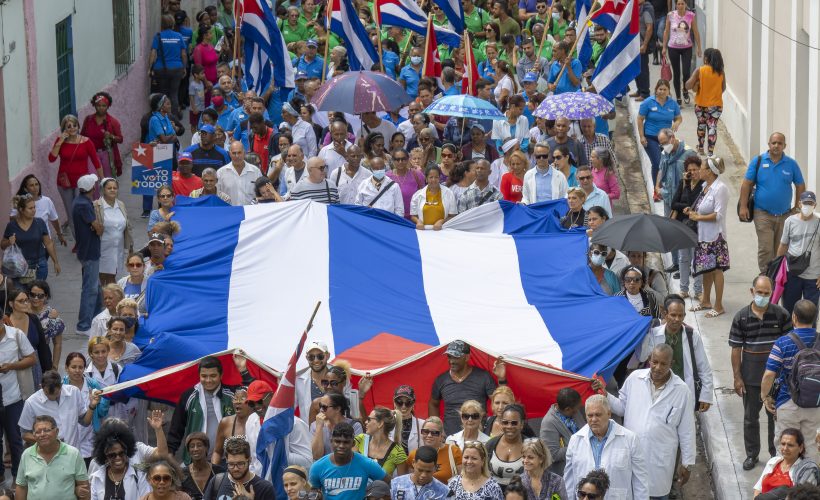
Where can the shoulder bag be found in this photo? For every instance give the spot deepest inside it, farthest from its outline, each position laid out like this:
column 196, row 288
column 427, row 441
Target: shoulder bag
column 25, row 377
column 386, row 189
column 751, row 203
column 695, row 375
column 799, row 264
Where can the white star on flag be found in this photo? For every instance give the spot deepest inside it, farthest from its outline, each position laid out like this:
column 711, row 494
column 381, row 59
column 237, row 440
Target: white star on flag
column 140, row 150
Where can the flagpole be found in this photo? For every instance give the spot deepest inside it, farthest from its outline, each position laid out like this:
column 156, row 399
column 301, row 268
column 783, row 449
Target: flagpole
column 379, row 32
column 313, row 316
column 426, row 52
column 407, row 47
column 237, row 25
column 544, row 34
column 468, row 65
column 578, row 37
column 328, row 10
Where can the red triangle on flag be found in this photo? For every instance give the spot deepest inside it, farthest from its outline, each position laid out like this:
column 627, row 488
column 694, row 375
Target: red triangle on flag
column 143, row 154
column 470, row 79
column 432, row 63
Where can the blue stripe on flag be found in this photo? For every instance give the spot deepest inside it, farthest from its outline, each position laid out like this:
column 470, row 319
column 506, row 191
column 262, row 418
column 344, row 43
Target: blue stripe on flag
column 537, row 218
column 375, row 278
column 625, row 62
column 570, row 316
column 582, row 9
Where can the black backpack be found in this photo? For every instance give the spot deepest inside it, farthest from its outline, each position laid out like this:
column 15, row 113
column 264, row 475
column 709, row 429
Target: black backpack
column 804, row 379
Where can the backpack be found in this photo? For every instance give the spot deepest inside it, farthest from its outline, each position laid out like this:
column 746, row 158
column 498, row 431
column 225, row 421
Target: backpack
column 804, row 379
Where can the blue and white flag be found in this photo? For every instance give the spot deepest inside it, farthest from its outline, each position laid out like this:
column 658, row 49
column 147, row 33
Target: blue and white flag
column 408, row 14
column 265, row 50
column 504, row 277
column 582, row 10
column 620, row 61
column 345, row 22
column 455, row 13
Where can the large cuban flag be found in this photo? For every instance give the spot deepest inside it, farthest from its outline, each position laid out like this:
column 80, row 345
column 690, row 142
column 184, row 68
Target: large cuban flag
column 265, row 49
column 504, row 277
column 620, row 61
column 345, row 22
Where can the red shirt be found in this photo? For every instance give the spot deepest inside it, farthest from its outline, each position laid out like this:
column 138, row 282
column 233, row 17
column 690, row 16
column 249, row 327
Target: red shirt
column 512, row 187
column 182, row 186
column 96, row 132
column 260, row 147
column 775, row 479
column 74, row 160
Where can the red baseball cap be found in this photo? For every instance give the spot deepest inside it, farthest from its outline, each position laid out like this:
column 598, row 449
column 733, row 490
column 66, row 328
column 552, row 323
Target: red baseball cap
column 258, row 390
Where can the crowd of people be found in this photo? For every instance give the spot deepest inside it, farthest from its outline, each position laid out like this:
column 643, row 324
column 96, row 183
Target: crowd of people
column 633, row 439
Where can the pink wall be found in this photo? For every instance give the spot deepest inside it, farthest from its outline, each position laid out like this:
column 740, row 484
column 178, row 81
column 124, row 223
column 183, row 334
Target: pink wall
column 129, row 92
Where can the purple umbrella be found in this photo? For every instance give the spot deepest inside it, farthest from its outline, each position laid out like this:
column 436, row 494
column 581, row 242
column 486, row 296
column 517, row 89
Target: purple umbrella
column 359, row 92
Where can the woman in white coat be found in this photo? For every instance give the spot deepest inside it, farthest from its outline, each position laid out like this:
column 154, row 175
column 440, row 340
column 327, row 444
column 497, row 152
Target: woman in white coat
column 117, row 237
column 433, row 204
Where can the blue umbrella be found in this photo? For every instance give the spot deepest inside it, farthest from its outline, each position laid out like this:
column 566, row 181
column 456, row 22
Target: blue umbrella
column 465, row 106
column 573, row 105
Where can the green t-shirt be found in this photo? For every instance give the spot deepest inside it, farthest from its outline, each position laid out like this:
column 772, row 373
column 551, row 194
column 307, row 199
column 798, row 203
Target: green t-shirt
column 534, row 19
column 293, row 34
column 597, row 50
column 508, row 27
column 476, row 20
column 559, row 29
column 546, row 50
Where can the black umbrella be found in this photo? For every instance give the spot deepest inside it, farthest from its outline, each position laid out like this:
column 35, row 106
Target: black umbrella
column 645, row 233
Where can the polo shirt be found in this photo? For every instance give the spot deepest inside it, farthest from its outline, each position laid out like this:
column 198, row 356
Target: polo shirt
column 66, row 410
column 391, row 61
column 564, row 84
column 159, row 124
column 773, row 184
column 658, row 116
column 169, row 46
column 214, row 158
column 55, row 479
column 88, row 242
column 411, row 79
column 782, row 357
column 312, row 68
column 322, row 192
column 476, row 20
column 756, row 337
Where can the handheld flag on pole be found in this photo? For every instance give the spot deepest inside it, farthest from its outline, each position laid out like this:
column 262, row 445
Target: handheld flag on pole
column 468, row 82
column 455, row 13
column 620, row 62
column 266, row 54
column 432, row 62
column 345, row 22
column 407, row 14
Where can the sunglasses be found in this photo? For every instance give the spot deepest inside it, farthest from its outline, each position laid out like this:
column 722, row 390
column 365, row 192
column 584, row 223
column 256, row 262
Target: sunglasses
column 511, row 423
column 404, row 403
column 331, row 383
column 135, row 264
column 165, row 196
column 470, row 416
column 632, row 280
column 324, row 408
column 114, row 454
column 38, row 296
column 317, row 357
column 590, row 496
column 542, row 157
column 585, row 178
column 164, row 478
column 428, row 432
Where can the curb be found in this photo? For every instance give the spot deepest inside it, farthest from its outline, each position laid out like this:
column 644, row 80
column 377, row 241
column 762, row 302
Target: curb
column 725, row 482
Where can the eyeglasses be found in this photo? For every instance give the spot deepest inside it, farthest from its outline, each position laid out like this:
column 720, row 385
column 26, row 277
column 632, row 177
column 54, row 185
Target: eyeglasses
column 590, row 496
column 585, row 178
column 632, row 280
column 404, row 403
column 22, row 301
column 325, row 407
column 236, row 465
column 542, row 157
column 316, row 357
column 511, row 423
column 164, row 478
column 428, row 432
column 38, row 296
column 596, row 252
column 557, row 157
column 330, row 383
column 135, row 264
column 40, row 432
column 470, row 416
column 165, row 196
column 114, row 454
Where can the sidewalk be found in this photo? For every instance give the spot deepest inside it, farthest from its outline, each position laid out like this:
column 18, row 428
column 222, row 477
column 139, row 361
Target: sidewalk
column 722, row 425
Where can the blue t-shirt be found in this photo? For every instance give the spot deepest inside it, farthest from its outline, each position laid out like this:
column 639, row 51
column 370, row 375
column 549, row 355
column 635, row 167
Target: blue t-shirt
column 391, row 61
column 781, row 359
column 187, row 34
column 173, row 45
column 565, row 85
column 348, row 482
column 773, row 187
column 132, row 290
column 528, row 5
column 411, row 77
column 29, row 241
column 656, row 116
column 313, row 68
column 88, row 242
column 159, row 124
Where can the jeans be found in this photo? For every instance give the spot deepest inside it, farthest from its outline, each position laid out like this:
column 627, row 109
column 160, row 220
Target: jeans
column 168, row 81
column 91, row 298
column 751, row 422
column 799, row 288
column 653, row 150
column 68, row 195
column 685, row 264
column 769, row 229
column 147, row 202
column 9, row 420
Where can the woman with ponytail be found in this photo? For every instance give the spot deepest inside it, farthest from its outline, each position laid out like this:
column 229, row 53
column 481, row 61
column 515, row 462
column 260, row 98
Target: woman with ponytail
column 382, row 440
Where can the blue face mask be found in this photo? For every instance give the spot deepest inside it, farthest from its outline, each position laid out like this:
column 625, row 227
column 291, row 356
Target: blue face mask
column 379, row 174
column 597, row 260
column 415, row 60
column 130, row 322
column 761, row 300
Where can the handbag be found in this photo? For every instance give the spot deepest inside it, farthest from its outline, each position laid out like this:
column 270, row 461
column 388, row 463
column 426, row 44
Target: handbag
column 798, row 264
column 751, row 203
column 666, row 70
column 25, row 377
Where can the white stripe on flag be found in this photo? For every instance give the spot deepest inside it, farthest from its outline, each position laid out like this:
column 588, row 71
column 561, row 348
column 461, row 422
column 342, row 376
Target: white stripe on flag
column 266, row 271
column 489, row 297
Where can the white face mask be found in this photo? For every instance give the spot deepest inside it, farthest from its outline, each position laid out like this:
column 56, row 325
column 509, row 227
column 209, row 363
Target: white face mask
column 667, row 148
column 806, row 210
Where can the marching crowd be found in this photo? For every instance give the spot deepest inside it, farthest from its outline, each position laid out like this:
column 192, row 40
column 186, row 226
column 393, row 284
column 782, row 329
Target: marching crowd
column 634, row 439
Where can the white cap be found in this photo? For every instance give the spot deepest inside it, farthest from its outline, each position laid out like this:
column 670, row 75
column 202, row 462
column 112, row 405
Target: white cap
column 87, row 182
column 316, row 345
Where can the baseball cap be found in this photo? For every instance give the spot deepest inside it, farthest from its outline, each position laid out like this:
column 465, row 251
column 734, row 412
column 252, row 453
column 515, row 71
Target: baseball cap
column 530, row 77
column 404, row 391
column 87, row 182
column 185, row 156
column 207, row 128
column 808, row 196
column 156, row 237
column 457, row 348
column 312, row 43
column 258, row 389
column 316, row 345
column 378, row 489
column 301, row 75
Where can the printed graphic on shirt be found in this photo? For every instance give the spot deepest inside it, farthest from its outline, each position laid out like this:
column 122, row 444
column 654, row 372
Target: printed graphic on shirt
column 337, row 485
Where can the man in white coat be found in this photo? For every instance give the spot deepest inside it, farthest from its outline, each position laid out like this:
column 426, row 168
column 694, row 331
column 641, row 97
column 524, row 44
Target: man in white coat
column 678, row 335
column 543, row 183
column 603, row 444
column 656, row 405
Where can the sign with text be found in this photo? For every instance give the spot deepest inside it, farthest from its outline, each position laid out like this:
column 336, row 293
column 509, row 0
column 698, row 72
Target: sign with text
column 150, row 167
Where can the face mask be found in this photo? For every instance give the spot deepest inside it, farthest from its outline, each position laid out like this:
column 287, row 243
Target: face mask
column 806, row 210
column 130, row 322
column 761, row 300
column 667, row 148
column 217, row 101
column 597, row 260
column 378, row 174
column 556, row 16
column 415, row 60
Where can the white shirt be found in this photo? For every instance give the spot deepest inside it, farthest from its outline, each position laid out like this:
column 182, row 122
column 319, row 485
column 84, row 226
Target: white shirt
column 297, row 443
column 458, row 438
column 106, row 378
column 497, row 170
column 99, row 325
column 386, row 128
column 503, row 130
column 716, row 200
column 621, row 457
column 662, row 425
column 135, row 484
column 66, row 411
column 332, row 158
column 348, row 186
column 141, row 455
column 420, row 198
column 505, row 83
column 303, row 135
column 289, row 176
column 9, row 354
column 390, row 201
column 240, row 187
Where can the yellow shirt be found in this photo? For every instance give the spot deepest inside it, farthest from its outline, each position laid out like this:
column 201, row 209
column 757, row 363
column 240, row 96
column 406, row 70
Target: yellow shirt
column 433, row 209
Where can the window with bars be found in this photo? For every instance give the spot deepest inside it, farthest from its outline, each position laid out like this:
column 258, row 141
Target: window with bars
column 124, row 47
column 65, row 68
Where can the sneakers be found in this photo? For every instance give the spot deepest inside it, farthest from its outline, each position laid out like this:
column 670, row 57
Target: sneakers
column 83, row 332
column 671, row 269
column 145, row 214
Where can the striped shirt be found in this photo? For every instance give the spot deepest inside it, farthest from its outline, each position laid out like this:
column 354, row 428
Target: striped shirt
column 782, row 357
column 322, row 192
column 757, row 335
